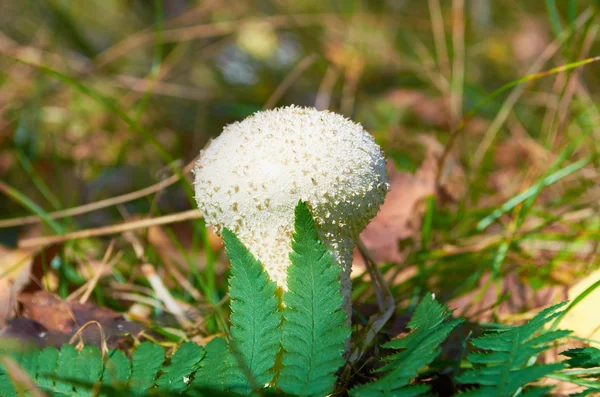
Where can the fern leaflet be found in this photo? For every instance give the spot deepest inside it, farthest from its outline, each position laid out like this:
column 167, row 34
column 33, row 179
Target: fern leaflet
column 587, row 374
column 255, row 318
column 219, row 369
column 147, row 360
column 88, row 370
column 66, row 369
column 586, row 357
column 430, row 325
column 47, row 361
column 177, row 375
column 502, row 367
column 117, row 370
column 314, row 330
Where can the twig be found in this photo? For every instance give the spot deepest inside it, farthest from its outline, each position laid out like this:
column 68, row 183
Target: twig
column 159, row 88
column 163, row 294
column 82, row 209
column 352, row 76
column 458, row 60
column 112, row 229
column 439, row 37
column 501, row 116
column 326, row 87
column 384, row 298
column 287, row 82
column 206, row 31
column 20, row 377
column 103, row 345
column 105, row 265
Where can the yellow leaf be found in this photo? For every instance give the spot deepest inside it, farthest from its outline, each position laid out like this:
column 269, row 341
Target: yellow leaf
column 583, row 318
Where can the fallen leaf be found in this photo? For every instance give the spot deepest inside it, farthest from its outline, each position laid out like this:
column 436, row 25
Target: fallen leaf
column 432, row 111
column 30, row 331
column 583, row 318
column 401, row 214
column 15, row 267
column 481, row 304
column 67, row 317
column 529, row 40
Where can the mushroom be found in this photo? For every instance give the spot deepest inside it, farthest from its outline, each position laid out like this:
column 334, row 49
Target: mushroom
column 252, row 176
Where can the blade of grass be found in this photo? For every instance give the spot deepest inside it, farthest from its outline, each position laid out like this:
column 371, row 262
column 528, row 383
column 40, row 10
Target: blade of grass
column 112, row 105
column 156, row 61
column 532, row 191
column 554, row 17
column 488, row 99
column 578, row 299
column 30, row 205
column 66, row 24
column 107, row 102
column 525, row 79
column 37, row 181
column 572, row 11
column 111, row 201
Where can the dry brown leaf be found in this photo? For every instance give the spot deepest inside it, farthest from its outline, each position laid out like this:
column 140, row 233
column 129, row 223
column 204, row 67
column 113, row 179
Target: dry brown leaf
column 15, row 268
column 480, row 304
column 64, row 318
column 401, row 214
column 530, row 40
column 432, row 111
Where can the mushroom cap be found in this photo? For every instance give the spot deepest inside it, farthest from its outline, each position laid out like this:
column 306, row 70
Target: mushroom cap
column 252, row 176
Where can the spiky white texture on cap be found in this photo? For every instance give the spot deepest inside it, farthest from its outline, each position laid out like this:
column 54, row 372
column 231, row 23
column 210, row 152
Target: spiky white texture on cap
column 252, row 176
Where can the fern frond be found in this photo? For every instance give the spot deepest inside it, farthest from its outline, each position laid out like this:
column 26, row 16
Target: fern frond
column 502, row 366
column 69, row 372
column 585, row 364
column 147, row 360
column 117, row 371
column 255, row 316
column 220, row 370
column 7, row 388
column 47, row 363
column 585, row 357
column 66, row 369
column 314, row 330
column 430, row 325
column 177, row 375
column 88, row 370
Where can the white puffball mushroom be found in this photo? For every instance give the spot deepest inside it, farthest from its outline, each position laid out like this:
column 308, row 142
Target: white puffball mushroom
column 252, row 176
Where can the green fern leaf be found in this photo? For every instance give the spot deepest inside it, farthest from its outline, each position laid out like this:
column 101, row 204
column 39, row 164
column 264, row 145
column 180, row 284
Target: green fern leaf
column 430, row 325
column 255, row 317
column 88, row 370
column 117, row 371
column 177, row 375
column 537, row 392
column 66, row 369
column 502, row 366
column 586, row 357
column 28, row 361
column 7, row 388
column 219, row 369
column 146, row 362
column 314, row 330
column 47, row 363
